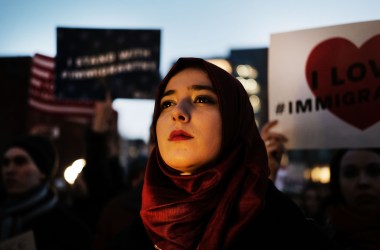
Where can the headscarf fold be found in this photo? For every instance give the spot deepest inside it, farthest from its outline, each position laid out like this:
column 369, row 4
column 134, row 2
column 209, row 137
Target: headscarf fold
column 209, row 209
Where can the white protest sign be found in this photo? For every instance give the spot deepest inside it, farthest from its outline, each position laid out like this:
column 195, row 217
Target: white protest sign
column 324, row 86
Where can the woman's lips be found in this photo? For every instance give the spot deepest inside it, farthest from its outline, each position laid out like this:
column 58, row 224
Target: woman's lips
column 179, row 135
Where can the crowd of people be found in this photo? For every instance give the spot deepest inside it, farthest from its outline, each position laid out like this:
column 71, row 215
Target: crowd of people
column 206, row 181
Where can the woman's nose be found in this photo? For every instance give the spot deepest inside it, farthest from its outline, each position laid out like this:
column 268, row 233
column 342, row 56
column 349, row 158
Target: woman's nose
column 181, row 112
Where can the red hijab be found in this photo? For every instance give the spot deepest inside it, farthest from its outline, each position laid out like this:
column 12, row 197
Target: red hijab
column 209, row 209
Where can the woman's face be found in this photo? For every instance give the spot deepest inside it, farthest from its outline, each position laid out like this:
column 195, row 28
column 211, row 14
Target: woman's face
column 360, row 180
column 189, row 128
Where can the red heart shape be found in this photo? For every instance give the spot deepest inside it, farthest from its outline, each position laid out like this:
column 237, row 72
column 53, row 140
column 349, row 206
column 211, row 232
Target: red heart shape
column 346, row 80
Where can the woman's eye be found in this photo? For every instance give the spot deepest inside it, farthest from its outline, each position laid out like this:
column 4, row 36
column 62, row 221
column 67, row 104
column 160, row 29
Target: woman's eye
column 166, row 104
column 204, row 99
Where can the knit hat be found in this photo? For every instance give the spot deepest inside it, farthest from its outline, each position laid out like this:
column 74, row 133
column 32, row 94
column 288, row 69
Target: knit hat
column 41, row 149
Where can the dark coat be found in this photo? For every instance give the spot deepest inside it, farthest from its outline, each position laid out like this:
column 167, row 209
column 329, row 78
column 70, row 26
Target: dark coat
column 54, row 226
column 281, row 225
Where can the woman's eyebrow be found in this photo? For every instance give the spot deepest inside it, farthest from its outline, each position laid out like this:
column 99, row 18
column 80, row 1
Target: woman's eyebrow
column 203, row 87
column 168, row 92
column 193, row 87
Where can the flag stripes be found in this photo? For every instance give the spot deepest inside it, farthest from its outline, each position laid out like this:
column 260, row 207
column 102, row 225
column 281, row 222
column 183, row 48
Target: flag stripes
column 42, row 96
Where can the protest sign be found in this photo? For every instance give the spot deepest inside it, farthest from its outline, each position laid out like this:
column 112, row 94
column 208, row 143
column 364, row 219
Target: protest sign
column 324, row 86
column 90, row 62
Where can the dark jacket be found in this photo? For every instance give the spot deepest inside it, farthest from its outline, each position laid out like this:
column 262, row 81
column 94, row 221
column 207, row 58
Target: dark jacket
column 281, row 225
column 54, row 227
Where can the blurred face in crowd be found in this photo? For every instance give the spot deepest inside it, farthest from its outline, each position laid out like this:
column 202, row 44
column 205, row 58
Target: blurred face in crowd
column 19, row 172
column 360, row 180
column 189, row 128
column 312, row 201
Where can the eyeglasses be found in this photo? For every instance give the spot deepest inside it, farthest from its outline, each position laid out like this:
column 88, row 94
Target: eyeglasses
column 18, row 160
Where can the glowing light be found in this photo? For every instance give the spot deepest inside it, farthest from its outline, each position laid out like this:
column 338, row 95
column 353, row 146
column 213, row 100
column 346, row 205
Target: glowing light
column 79, row 164
column 255, row 102
column 222, row 63
column 250, row 85
column 71, row 172
column 318, row 174
column 246, row 71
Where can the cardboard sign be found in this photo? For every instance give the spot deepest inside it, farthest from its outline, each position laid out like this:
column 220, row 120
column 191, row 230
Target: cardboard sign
column 23, row 241
column 90, row 62
column 324, row 86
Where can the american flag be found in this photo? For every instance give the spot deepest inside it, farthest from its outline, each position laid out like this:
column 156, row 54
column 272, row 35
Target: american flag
column 42, row 95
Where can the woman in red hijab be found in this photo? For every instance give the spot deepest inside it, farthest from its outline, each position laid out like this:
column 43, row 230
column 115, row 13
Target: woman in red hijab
column 206, row 185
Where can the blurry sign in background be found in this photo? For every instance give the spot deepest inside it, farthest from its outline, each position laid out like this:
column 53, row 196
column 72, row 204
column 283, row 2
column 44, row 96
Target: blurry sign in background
column 324, row 86
column 91, row 61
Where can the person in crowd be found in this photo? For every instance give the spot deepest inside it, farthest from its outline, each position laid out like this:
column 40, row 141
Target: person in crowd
column 353, row 210
column 122, row 211
column 312, row 202
column 32, row 211
column 207, row 180
column 103, row 176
